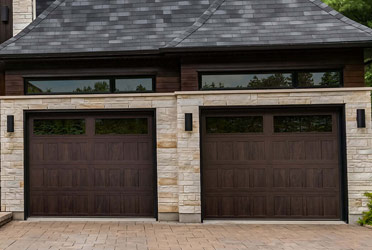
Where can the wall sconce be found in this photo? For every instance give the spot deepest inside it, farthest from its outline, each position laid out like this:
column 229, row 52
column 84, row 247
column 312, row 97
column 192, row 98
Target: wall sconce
column 4, row 14
column 188, row 122
column 361, row 118
column 10, row 123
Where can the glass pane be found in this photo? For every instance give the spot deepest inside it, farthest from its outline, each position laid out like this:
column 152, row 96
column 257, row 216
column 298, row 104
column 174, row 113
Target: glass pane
column 250, row 124
column 68, row 86
column 246, row 81
column 126, row 126
column 310, row 123
column 319, row 79
column 134, row 85
column 59, row 127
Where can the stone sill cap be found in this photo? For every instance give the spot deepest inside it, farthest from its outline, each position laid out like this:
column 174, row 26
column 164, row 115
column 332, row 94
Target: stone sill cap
column 177, row 93
column 4, row 216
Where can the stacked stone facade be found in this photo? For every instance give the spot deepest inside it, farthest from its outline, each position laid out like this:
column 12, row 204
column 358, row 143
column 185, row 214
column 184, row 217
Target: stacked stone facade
column 178, row 151
column 23, row 14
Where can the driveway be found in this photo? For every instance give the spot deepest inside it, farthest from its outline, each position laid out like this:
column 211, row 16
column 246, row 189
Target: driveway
column 152, row 235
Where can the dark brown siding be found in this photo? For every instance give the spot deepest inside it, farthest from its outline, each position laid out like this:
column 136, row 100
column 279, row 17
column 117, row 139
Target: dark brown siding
column 6, row 28
column 167, row 72
column 13, row 85
column 351, row 60
column 174, row 73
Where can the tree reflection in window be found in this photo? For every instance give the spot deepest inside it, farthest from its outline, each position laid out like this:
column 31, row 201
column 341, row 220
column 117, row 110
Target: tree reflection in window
column 59, row 127
column 246, row 81
column 319, row 79
column 68, row 86
column 133, row 126
column 305, row 123
column 249, row 124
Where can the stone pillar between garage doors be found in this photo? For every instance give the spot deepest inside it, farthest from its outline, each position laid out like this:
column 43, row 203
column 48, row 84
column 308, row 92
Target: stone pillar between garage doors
column 188, row 147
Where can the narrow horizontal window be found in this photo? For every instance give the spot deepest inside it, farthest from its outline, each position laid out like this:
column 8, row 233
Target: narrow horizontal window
column 96, row 85
column 220, row 125
column 68, row 86
column 134, row 85
column 127, row 126
column 319, row 79
column 290, row 79
column 306, row 123
column 59, row 127
column 246, row 81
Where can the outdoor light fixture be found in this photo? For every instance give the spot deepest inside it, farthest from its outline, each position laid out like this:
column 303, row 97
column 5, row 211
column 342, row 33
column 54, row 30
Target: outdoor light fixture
column 4, row 14
column 188, row 122
column 361, row 118
column 10, row 123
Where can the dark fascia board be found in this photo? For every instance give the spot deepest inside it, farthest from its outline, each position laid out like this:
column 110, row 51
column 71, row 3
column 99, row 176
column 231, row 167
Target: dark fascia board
column 175, row 50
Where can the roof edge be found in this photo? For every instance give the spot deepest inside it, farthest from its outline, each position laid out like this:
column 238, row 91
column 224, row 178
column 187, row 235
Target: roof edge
column 173, row 50
column 341, row 17
column 33, row 24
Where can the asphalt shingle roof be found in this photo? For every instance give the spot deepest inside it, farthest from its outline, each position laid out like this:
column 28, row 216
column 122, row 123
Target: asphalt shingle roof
column 79, row 26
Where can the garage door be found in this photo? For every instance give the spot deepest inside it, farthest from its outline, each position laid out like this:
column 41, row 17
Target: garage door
column 89, row 164
column 271, row 164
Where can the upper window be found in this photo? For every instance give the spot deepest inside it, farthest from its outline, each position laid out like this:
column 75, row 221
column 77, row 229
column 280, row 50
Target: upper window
column 89, row 85
column 290, row 79
column 59, row 127
column 232, row 125
column 302, row 123
column 128, row 126
column 134, row 85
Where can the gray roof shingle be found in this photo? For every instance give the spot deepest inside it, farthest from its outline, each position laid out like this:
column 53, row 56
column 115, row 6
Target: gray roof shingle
column 79, row 26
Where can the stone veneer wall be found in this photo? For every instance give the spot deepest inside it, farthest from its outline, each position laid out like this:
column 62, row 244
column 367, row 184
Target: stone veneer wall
column 23, row 14
column 178, row 152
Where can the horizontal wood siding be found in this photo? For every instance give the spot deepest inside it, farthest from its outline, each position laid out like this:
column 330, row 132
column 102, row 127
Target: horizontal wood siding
column 351, row 60
column 167, row 72
column 6, row 28
column 14, row 85
column 180, row 72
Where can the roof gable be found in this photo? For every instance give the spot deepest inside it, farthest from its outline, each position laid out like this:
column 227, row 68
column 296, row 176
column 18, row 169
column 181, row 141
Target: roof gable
column 80, row 26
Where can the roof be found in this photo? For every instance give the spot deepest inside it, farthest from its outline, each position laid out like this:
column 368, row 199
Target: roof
column 85, row 26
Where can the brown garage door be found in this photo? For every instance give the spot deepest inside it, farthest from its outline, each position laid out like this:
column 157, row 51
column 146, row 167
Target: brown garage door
column 271, row 164
column 91, row 164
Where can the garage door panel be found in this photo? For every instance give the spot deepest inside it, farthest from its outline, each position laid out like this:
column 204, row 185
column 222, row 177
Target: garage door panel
column 273, row 174
column 145, row 204
column 91, row 174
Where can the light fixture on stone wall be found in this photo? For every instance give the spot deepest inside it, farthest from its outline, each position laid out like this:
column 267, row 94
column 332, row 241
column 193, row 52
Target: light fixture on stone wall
column 361, row 118
column 10, row 123
column 188, row 122
column 4, row 14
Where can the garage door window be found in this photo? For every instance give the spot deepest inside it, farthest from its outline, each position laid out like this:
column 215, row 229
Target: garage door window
column 129, row 126
column 224, row 125
column 308, row 123
column 59, row 127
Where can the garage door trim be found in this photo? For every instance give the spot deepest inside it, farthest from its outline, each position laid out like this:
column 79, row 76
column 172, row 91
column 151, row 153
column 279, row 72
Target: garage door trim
column 339, row 108
column 28, row 113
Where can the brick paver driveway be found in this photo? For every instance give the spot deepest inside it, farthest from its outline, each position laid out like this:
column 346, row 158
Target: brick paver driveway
column 147, row 235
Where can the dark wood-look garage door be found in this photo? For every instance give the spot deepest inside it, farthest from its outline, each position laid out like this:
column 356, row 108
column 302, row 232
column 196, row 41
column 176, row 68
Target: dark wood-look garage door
column 271, row 164
column 91, row 164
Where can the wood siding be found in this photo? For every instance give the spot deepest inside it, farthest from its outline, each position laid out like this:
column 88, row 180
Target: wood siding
column 351, row 60
column 180, row 72
column 6, row 28
column 167, row 72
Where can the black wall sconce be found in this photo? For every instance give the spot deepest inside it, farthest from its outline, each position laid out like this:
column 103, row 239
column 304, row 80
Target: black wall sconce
column 361, row 118
column 4, row 14
column 10, row 123
column 188, row 122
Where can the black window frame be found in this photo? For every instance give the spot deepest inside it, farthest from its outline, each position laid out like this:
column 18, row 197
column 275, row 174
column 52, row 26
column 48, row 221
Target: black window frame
column 112, row 82
column 294, row 73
